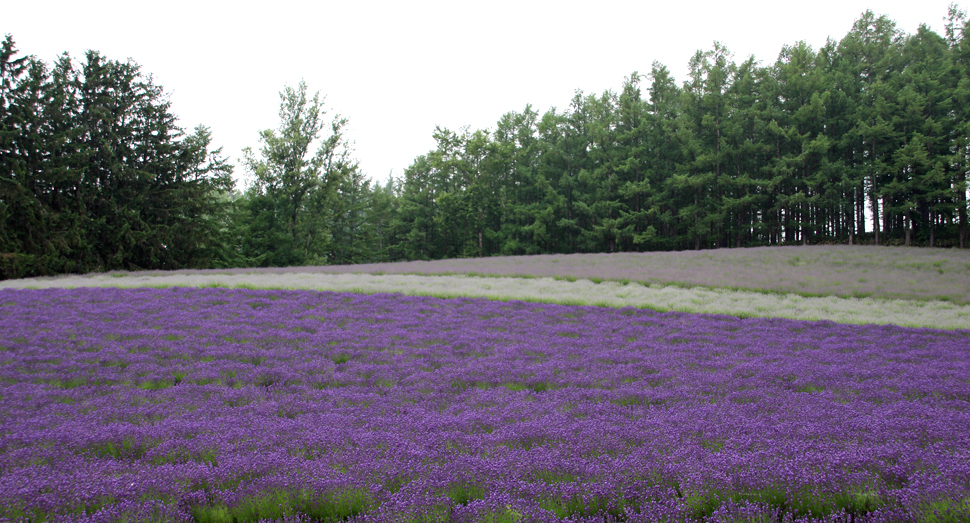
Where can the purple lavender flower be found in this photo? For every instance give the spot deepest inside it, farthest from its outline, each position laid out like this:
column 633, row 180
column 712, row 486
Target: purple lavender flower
column 240, row 405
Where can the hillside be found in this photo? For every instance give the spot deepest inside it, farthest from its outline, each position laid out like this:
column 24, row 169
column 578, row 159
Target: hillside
column 823, row 270
column 853, row 285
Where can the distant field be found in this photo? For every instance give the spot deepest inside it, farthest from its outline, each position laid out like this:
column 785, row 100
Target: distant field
column 803, row 283
column 840, row 270
column 661, row 298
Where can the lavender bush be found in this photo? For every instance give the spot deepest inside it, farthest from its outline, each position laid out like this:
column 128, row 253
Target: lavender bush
column 218, row 405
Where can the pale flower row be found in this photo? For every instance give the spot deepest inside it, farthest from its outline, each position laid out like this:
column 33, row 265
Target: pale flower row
column 908, row 313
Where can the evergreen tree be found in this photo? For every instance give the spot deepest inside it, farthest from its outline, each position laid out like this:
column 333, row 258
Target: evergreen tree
column 959, row 157
column 525, row 200
column 354, row 231
column 97, row 175
column 416, row 224
column 631, row 166
column 870, row 54
column 664, row 230
column 921, row 184
column 702, row 136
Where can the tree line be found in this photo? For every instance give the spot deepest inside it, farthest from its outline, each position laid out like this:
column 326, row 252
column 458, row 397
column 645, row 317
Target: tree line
column 865, row 140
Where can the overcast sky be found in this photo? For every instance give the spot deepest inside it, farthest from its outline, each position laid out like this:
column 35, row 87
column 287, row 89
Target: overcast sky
column 396, row 69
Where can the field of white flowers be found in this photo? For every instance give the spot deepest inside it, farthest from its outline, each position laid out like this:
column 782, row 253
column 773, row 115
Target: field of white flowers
column 566, row 290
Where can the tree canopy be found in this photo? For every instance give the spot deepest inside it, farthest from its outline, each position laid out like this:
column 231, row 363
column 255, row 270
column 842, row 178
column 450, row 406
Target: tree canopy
column 291, row 204
column 95, row 174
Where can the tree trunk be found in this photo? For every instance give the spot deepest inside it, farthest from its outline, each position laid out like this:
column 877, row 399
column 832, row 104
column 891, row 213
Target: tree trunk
column 860, row 212
column 850, row 221
column 805, row 228
column 737, row 239
column 697, row 220
column 962, row 200
column 874, row 199
column 908, row 226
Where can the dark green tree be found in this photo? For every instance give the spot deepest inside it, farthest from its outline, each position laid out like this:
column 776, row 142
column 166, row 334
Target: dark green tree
column 870, row 56
column 292, row 196
column 97, row 175
column 355, row 222
column 959, row 57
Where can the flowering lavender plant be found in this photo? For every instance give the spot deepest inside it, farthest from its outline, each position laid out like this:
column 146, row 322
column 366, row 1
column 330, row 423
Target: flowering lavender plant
column 220, row 405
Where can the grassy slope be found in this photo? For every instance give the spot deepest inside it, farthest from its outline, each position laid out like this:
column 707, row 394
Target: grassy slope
column 839, row 270
column 789, row 282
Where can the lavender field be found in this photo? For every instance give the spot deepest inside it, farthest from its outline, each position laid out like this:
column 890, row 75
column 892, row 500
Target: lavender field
column 219, row 405
column 660, row 298
column 817, row 270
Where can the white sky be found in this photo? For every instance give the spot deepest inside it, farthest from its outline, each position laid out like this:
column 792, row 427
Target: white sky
column 396, row 69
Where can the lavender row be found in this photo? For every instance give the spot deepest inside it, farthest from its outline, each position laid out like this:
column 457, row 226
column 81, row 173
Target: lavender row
column 696, row 300
column 242, row 405
column 813, row 270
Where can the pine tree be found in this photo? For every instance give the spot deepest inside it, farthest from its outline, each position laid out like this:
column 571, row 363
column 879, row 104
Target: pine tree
column 97, row 175
column 957, row 32
column 870, row 56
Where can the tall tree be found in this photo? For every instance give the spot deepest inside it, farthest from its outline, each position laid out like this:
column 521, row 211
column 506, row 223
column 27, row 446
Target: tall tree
column 924, row 106
column 292, row 194
column 870, row 54
column 354, row 231
column 665, row 230
column 526, row 216
column 97, row 175
column 809, row 198
column 958, row 41
column 702, row 136
column 416, row 224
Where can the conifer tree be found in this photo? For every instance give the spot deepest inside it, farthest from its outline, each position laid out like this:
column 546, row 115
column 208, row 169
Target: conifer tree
column 97, row 175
